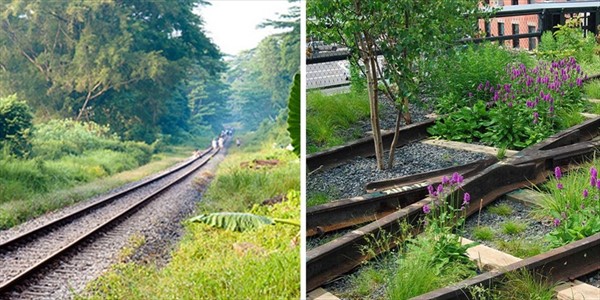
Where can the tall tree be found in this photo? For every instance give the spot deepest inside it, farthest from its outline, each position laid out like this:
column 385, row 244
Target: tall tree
column 403, row 31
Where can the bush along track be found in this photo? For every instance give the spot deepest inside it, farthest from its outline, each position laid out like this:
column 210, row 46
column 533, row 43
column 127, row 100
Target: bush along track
column 530, row 166
column 234, row 249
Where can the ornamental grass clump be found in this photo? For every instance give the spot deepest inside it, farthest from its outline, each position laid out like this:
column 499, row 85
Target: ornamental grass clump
column 572, row 205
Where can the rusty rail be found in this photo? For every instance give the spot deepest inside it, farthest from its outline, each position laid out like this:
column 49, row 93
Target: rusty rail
column 528, row 167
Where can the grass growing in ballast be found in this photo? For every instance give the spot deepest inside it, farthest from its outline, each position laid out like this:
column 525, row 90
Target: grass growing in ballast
column 214, row 263
column 330, row 118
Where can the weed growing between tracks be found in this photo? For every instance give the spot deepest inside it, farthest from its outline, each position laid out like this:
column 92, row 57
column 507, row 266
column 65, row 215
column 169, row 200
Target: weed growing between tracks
column 213, row 263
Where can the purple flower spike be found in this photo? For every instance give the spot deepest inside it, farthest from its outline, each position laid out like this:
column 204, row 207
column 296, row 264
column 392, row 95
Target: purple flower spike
column 445, row 180
column 593, row 182
column 466, row 199
column 556, row 222
column 457, row 178
column 559, row 186
column 557, row 173
column 598, row 184
column 440, row 189
column 431, row 190
column 426, row 209
column 585, row 193
column 594, row 172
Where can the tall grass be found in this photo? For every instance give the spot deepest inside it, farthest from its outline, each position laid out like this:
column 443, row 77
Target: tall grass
column 592, row 89
column 329, row 118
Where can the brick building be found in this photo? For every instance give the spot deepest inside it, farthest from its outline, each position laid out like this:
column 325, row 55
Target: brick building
column 514, row 25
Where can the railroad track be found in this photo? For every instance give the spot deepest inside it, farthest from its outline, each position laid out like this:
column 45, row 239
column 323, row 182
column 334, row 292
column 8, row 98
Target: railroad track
column 391, row 202
column 22, row 256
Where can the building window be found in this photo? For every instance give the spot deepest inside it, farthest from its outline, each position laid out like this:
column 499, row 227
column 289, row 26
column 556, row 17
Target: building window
column 488, row 29
column 531, row 29
column 529, row 1
column 515, row 30
column 514, row 2
column 501, row 31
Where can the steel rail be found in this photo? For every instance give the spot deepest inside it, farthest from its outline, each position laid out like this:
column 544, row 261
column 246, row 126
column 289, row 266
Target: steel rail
column 399, row 193
column 101, row 203
column 364, row 147
column 7, row 285
column 561, row 264
column 328, row 261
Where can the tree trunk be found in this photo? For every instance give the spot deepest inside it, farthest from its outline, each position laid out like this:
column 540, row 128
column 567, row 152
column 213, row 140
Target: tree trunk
column 395, row 140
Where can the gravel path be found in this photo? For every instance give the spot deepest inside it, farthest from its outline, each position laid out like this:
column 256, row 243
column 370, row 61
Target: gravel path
column 159, row 223
column 349, row 180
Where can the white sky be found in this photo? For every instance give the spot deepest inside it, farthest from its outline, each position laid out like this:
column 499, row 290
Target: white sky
column 232, row 23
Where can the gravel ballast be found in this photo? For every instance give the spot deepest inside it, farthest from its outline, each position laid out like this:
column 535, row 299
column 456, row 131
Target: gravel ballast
column 349, row 179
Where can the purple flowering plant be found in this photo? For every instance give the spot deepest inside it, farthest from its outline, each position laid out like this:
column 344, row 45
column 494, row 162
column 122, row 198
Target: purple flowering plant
column 528, row 105
column 572, row 204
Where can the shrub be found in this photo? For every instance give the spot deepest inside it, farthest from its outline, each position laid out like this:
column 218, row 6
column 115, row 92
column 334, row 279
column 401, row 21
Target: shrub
column 15, row 126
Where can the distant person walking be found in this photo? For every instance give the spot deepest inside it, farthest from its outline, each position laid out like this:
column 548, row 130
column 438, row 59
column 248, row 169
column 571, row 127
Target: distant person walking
column 238, row 142
column 221, row 140
column 214, row 144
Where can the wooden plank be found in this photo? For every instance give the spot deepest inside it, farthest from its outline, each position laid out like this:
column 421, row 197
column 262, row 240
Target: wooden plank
column 468, row 147
column 592, row 100
column 526, row 196
column 321, row 294
column 490, row 259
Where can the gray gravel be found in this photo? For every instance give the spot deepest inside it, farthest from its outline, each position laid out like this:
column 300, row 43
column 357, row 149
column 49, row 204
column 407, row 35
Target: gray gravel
column 592, row 279
column 349, row 180
column 159, row 223
column 535, row 230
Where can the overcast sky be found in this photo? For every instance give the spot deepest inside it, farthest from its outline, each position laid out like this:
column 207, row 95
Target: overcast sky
column 232, row 23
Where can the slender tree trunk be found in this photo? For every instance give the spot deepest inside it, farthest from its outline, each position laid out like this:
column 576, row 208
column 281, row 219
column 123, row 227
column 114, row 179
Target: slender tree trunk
column 395, row 140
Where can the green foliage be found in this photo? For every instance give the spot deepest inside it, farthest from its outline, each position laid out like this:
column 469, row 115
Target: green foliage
column 572, row 205
column 501, row 209
column 330, row 118
column 15, row 126
column 512, row 228
column 516, row 285
column 294, row 120
column 532, row 104
column 114, row 62
column 317, row 199
column 237, row 221
column 567, row 41
column 483, row 233
column 466, row 124
column 470, row 65
column 592, row 89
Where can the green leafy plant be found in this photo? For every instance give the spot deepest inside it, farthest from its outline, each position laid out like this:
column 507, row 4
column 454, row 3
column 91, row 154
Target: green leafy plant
column 15, row 126
column 294, row 114
column 572, row 205
column 521, row 248
column 466, row 124
column 236, row 221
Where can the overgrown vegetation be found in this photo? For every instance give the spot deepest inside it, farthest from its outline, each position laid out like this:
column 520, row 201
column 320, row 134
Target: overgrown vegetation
column 331, row 119
column 572, row 204
column 213, row 263
column 518, row 285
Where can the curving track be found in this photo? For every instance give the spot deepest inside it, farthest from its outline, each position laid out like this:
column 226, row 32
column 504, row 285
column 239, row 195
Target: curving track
column 22, row 256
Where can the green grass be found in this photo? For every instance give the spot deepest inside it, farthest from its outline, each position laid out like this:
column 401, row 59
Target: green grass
column 317, row 199
column 484, row 233
column 330, row 118
column 207, row 264
column 257, row 184
column 512, row 228
column 31, row 188
column 521, row 248
column 501, row 209
column 517, row 285
column 592, row 89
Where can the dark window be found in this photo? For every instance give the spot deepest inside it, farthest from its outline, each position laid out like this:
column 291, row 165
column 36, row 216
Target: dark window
column 515, row 2
column 515, row 30
column 488, row 29
column 501, row 32
column 529, row 1
column 531, row 29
